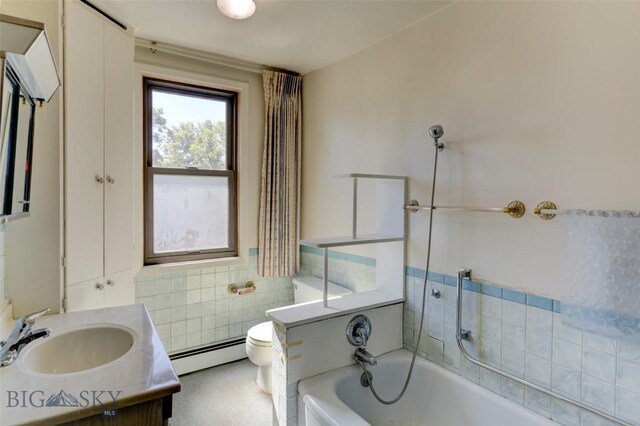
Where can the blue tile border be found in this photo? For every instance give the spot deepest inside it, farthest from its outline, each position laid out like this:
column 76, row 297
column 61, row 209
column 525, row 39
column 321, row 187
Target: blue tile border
column 514, row 296
column 540, row 302
column 491, row 290
column 338, row 255
column 498, row 292
column 420, row 273
column 253, row 251
column 311, row 250
column 472, row 286
column 436, row 277
column 450, row 281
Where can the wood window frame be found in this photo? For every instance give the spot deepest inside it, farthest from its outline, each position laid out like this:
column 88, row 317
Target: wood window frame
column 231, row 100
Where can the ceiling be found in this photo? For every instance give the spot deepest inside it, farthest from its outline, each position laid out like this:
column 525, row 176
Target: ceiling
column 298, row 35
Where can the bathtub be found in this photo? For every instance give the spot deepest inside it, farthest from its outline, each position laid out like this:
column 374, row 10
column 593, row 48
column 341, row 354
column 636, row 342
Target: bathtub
column 435, row 397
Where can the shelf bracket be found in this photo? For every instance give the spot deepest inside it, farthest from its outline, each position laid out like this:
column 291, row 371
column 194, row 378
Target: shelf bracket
column 325, row 277
column 354, row 229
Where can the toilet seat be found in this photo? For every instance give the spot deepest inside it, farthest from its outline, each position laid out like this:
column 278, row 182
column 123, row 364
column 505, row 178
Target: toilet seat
column 258, row 343
column 260, row 334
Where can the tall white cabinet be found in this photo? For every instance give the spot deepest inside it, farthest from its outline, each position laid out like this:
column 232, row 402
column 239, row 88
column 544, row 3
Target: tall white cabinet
column 98, row 82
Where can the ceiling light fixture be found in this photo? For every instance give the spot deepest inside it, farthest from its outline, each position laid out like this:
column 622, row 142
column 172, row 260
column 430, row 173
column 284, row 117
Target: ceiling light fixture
column 237, row 9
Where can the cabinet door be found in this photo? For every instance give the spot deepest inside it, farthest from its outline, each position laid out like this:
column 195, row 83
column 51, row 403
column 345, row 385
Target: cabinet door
column 119, row 289
column 118, row 149
column 84, row 142
column 86, row 295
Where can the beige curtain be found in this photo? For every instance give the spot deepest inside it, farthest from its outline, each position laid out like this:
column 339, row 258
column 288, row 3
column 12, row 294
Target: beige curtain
column 279, row 224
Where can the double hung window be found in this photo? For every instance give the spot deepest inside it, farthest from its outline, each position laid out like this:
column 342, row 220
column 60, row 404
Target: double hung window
column 190, row 172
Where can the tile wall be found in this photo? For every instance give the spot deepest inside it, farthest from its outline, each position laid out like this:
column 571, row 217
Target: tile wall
column 357, row 273
column 524, row 335
column 193, row 308
column 518, row 332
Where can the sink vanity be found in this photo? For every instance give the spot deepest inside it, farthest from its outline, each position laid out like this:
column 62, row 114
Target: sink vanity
column 104, row 366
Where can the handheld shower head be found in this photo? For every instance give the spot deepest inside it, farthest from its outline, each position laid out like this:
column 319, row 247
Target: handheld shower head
column 436, row 133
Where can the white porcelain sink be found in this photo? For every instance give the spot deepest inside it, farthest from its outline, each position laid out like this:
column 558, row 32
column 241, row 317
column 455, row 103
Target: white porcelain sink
column 78, row 350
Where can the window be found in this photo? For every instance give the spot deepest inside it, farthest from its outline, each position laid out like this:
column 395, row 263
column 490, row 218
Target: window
column 190, row 173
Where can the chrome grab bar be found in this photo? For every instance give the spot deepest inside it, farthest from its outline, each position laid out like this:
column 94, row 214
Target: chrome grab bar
column 465, row 274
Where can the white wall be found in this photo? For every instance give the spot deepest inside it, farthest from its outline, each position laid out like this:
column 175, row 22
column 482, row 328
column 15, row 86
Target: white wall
column 32, row 255
column 539, row 101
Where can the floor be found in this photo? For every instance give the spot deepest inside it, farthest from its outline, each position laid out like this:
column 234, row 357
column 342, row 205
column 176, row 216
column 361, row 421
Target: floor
column 223, row 395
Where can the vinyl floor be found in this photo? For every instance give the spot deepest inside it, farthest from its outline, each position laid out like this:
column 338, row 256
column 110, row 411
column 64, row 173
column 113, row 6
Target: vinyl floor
column 222, row 395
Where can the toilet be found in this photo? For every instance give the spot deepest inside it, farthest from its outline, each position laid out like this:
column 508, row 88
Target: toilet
column 258, row 343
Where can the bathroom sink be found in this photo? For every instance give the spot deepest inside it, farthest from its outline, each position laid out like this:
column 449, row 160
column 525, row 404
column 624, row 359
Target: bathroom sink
column 78, row 350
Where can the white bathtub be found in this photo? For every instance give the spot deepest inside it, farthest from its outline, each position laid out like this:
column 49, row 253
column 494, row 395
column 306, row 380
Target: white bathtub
column 435, row 397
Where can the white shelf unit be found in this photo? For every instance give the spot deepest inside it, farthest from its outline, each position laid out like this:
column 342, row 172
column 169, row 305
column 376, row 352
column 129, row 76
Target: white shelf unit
column 395, row 235
column 350, row 241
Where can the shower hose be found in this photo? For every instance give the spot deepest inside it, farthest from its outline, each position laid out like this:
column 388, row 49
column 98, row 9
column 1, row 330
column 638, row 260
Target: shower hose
column 368, row 377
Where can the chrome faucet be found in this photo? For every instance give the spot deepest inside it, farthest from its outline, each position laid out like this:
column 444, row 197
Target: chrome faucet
column 364, row 335
column 358, row 334
column 21, row 335
column 362, row 356
column 359, row 330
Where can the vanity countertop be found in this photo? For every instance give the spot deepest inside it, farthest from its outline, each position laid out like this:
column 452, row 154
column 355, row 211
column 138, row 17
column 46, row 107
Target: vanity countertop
column 142, row 374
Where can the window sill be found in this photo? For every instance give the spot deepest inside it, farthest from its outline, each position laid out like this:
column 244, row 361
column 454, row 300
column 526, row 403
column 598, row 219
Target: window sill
column 167, row 268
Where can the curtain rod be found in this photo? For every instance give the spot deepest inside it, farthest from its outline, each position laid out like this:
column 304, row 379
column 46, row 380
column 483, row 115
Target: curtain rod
column 201, row 55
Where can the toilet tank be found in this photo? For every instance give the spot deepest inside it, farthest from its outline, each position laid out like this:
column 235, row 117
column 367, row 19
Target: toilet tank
column 309, row 289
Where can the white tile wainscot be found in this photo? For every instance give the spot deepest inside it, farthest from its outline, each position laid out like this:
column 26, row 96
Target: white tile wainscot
column 305, row 345
column 193, row 308
column 523, row 334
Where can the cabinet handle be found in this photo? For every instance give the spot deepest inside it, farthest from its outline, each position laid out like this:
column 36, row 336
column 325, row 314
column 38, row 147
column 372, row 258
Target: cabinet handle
column 111, row 283
column 99, row 286
column 99, row 179
column 111, row 180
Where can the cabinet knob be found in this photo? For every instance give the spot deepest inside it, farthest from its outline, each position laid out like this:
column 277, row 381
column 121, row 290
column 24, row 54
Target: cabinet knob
column 99, row 286
column 111, row 283
column 99, row 179
column 111, row 180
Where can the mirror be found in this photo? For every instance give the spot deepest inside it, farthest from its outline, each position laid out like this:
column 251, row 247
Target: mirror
column 28, row 75
column 5, row 119
column 16, row 146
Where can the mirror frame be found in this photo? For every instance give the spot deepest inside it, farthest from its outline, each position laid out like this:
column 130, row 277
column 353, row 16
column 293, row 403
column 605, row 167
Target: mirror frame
column 7, row 181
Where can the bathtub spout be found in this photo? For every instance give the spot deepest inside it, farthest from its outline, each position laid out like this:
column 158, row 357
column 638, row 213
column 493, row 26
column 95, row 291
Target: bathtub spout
column 361, row 355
